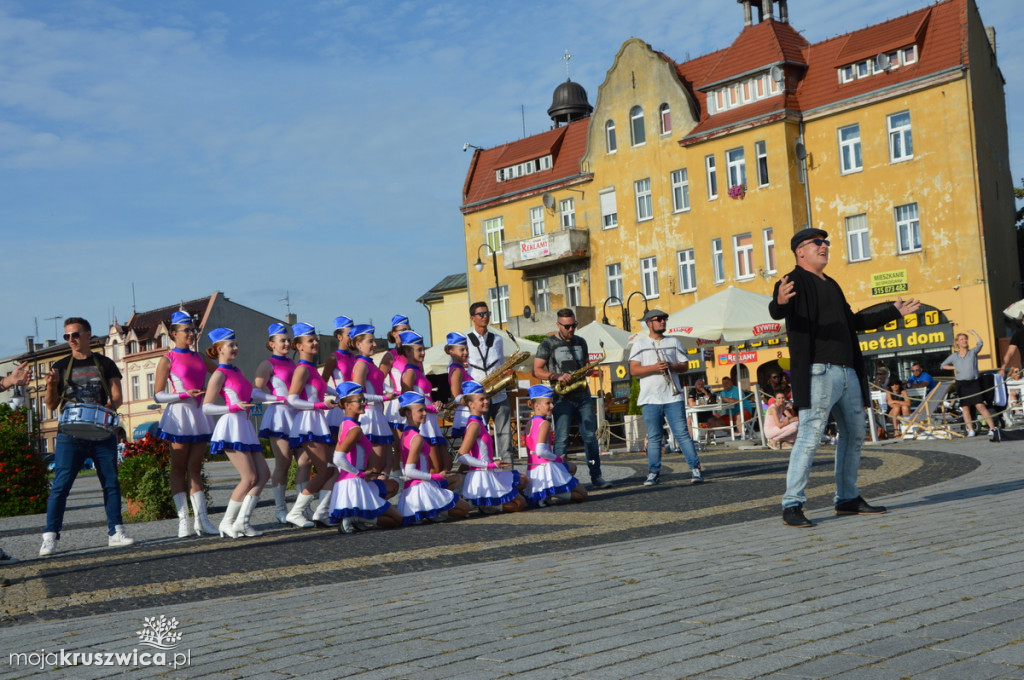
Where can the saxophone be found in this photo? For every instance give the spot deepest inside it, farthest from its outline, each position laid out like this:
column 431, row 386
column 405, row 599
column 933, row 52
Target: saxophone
column 578, row 378
column 504, row 377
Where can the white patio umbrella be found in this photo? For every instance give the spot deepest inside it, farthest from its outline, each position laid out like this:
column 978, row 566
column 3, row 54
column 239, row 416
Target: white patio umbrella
column 727, row 318
column 1015, row 311
column 616, row 341
column 436, row 361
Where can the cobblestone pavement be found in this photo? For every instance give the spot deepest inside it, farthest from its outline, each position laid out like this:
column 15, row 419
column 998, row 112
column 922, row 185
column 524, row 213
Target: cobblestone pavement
column 671, row 582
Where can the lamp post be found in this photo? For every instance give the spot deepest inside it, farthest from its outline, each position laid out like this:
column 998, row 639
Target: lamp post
column 604, row 316
column 479, row 265
column 628, row 299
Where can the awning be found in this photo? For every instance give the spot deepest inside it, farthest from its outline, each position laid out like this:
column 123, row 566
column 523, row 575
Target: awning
column 142, row 430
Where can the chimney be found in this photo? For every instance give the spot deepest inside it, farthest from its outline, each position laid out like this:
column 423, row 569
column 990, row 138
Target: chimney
column 290, row 319
column 766, row 9
column 39, row 347
column 748, row 18
column 30, row 343
column 783, row 11
column 51, row 343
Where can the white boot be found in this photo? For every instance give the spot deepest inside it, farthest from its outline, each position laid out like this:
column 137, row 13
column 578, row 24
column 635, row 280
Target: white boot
column 297, row 514
column 181, row 505
column 227, row 525
column 202, row 525
column 242, row 525
column 322, row 515
column 280, row 504
column 307, row 512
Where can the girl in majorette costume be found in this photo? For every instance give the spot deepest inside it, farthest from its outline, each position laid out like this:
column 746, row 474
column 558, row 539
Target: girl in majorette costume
column 487, row 484
column 234, row 434
column 414, row 380
column 181, row 375
column 457, row 348
column 425, row 495
column 374, row 424
column 392, row 364
column 274, row 376
column 310, row 396
column 550, row 480
column 338, row 369
column 358, row 500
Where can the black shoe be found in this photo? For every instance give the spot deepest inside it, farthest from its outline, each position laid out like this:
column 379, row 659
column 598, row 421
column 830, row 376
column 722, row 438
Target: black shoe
column 858, row 506
column 794, row 517
column 600, row 483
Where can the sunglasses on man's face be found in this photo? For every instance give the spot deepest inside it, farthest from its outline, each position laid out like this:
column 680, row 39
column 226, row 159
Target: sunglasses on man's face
column 482, row 314
column 817, row 242
column 72, row 336
column 567, row 326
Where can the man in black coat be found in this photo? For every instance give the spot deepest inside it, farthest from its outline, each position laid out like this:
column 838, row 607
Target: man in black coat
column 827, row 372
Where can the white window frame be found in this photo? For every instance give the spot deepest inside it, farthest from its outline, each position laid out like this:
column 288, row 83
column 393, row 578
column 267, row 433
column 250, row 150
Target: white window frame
column 858, row 238
column 644, row 202
column 686, row 270
column 717, row 261
column 711, row 176
column 649, row 277
column 637, row 132
column 573, row 289
column 496, row 296
column 736, row 166
column 136, row 388
column 150, row 384
column 610, row 143
column 609, row 209
column 761, row 159
column 567, row 208
column 542, row 294
column 665, row 116
column 494, row 233
column 613, row 281
column 680, row 180
column 743, row 256
column 849, row 149
column 910, row 225
column 768, row 240
column 537, row 220
column 901, row 137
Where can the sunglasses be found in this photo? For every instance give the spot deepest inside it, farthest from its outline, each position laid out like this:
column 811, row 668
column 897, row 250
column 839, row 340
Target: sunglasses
column 482, row 314
column 659, row 318
column 817, row 242
column 72, row 336
column 357, row 400
column 567, row 326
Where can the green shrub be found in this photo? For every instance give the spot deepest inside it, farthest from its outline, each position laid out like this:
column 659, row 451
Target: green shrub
column 24, row 482
column 145, row 481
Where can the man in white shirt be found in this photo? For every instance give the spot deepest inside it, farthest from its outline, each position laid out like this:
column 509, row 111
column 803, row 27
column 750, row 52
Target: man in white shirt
column 656, row 360
column 486, row 354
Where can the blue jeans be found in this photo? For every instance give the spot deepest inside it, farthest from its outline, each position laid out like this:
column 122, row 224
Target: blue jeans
column 568, row 409
column 836, row 389
column 675, row 413
column 68, row 458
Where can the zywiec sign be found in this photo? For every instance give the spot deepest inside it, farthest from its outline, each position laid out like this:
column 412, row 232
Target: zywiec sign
column 907, row 340
column 764, row 328
column 535, row 247
column 889, row 283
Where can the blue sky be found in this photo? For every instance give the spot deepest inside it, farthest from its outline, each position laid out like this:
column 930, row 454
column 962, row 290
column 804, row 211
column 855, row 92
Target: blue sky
column 259, row 147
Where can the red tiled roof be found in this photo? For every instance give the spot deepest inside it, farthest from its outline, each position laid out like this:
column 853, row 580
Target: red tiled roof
column 758, row 46
column 145, row 323
column 891, row 35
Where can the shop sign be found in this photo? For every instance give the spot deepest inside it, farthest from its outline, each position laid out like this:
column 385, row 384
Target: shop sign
column 907, row 339
column 539, row 246
column 731, row 358
column 889, row 283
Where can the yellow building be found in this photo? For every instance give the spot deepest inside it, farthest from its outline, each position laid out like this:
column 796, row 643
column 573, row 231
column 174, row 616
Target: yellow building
column 693, row 176
column 447, row 304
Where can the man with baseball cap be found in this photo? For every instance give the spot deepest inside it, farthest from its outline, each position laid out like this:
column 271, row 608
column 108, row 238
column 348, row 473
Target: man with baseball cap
column 827, row 372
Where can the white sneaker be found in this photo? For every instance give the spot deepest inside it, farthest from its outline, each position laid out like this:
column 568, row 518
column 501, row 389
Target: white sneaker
column 49, row 544
column 119, row 538
column 696, row 477
column 972, row 433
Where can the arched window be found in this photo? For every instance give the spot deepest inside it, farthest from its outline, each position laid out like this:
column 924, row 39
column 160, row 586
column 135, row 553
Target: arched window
column 666, row 119
column 609, row 136
column 636, row 125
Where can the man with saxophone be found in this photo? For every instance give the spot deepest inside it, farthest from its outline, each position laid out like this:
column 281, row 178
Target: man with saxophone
column 656, row 360
column 486, row 354
column 558, row 357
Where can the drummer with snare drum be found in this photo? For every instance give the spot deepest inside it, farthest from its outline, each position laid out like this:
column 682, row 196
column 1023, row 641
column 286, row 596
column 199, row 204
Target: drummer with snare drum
column 86, row 387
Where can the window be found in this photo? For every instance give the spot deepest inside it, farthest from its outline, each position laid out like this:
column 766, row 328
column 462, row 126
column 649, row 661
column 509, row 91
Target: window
column 761, row 151
column 846, row 74
column 165, row 340
column 537, row 220
column 568, row 209
column 542, row 294
column 133, row 347
column 901, row 142
column 736, row 167
column 609, row 211
column 497, row 300
column 644, row 207
column 769, row 250
column 666, row 119
column 522, row 169
column 858, row 247
column 136, row 394
column 849, row 149
column 717, row 260
column 712, row 174
column 609, row 136
column 494, row 232
column 613, row 274
column 743, row 252
column 687, row 266
column 908, row 228
column 115, row 351
column 150, row 379
column 573, row 298
column 680, row 190
column 636, row 125
column 909, row 54
column 649, row 277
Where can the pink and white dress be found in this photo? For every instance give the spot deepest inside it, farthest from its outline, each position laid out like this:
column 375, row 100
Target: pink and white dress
column 352, row 495
column 279, row 416
column 485, row 484
column 461, row 415
column 394, row 384
column 342, row 373
column 422, row 497
column 547, row 472
column 430, row 430
column 310, row 425
column 183, row 420
column 234, row 430
column 375, row 425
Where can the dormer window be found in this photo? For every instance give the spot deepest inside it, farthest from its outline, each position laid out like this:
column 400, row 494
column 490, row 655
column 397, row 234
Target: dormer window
column 881, row 63
column 742, row 92
column 525, row 168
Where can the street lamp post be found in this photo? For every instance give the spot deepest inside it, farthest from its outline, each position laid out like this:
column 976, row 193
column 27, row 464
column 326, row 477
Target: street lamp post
column 604, row 316
column 479, row 265
column 628, row 299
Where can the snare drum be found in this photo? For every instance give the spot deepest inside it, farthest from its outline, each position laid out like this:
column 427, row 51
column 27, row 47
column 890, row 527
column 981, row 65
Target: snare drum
column 87, row 421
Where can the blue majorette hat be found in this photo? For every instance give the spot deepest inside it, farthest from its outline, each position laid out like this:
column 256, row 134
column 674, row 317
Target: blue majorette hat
column 342, row 322
column 276, row 329
column 349, row 389
column 361, row 329
column 541, row 392
column 472, row 387
column 399, row 320
column 410, row 338
column 300, row 329
column 456, row 339
column 410, row 399
column 218, row 334
column 180, row 318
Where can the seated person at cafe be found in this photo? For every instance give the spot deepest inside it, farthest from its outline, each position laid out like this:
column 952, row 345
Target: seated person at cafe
column 899, row 404
column 781, row 422
column 730, row 394
column 700, row 395
column 919, row 378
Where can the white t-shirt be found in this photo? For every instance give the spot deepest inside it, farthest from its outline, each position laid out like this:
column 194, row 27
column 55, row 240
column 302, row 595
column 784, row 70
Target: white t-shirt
column 484, row 359
column 654, row 389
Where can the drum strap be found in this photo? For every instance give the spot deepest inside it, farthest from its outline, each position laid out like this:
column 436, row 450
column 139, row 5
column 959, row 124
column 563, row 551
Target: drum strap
column 67, row 378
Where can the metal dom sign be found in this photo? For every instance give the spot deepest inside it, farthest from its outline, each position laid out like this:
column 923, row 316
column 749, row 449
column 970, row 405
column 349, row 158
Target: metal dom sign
column 907, row 339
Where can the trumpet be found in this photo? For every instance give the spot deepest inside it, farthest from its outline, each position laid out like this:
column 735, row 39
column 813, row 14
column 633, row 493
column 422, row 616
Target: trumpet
column 504, row 376
column 578, row 378
column 667, row 374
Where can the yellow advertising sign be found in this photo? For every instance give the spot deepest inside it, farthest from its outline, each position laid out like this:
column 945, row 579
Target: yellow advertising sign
column 888, row 283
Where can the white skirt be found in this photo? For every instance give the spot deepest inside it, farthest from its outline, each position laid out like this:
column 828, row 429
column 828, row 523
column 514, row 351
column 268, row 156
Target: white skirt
column 490, row 487
column 357, row 497
column 549, row 480
column 277, row 422
column 234, row 431
column 459, row 421
column 395, row 420
column 430, row 430
column 375, row 425
column 309, row 426
column 424, row 501
column 184, row 422
column 334, row 419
